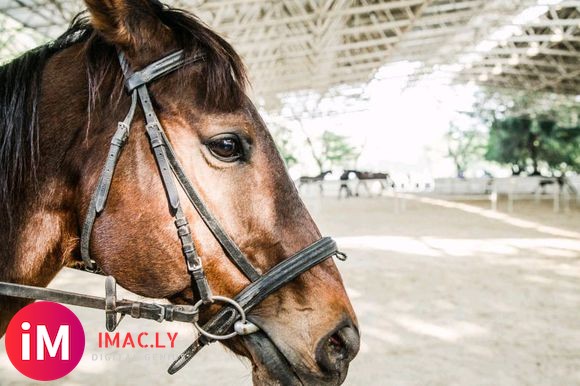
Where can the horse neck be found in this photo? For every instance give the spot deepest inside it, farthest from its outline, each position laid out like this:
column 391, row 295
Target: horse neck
column 41, row 234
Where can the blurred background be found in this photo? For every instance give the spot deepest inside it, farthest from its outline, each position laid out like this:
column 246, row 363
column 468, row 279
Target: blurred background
column 439, row 140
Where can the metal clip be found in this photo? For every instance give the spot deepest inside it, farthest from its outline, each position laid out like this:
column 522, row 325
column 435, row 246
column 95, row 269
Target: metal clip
column 161, row 310
column 341, row 256
column 111, row 321
column 93, row 268
column 246, row 328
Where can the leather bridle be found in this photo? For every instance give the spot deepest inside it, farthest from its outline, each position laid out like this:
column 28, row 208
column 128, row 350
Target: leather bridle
column 231, row 319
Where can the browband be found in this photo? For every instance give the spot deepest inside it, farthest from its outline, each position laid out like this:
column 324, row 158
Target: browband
column 156, row 69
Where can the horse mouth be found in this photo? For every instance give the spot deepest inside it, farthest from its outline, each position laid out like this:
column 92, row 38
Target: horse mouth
column 272, row 367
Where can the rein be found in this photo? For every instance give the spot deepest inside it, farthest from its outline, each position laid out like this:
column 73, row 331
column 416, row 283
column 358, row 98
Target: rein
column 231, row 320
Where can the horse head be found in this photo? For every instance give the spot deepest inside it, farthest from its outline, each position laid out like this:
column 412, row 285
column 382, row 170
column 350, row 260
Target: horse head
column 309, row 329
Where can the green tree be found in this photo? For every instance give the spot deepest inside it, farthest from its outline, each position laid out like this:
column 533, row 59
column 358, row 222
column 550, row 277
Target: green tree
column 284, row 139
column 526, row 144
column 337, row 150
column 561, row 149
column 464, row 147
column 332, row 150
column 493, row 104
column 530, row 131
column 509, row 143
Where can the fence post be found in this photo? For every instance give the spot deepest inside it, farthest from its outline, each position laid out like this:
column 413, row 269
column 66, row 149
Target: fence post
column 556, row 198
column 566, row 198
column 494, row 196
column 511, row 195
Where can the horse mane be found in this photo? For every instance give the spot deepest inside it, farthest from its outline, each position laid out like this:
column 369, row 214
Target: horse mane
column 223, row 73
column 20, row 88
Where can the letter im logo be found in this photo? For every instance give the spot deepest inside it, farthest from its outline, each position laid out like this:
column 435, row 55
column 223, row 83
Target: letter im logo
column 45, row 341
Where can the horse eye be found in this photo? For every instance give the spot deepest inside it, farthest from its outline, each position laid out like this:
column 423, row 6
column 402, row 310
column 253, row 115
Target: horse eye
column 226, row 148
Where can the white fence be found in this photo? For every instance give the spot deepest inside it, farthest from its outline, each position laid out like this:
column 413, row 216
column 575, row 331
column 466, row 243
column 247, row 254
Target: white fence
column 516, row 188
column 469, row 189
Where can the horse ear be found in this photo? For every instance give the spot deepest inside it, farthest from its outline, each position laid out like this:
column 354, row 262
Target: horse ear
column 126, row 23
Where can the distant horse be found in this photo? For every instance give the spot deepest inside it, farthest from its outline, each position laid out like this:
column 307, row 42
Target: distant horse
column 384, row 180
column 60, row 105
column 307, row 180
column 344, row 177
column 562, row 182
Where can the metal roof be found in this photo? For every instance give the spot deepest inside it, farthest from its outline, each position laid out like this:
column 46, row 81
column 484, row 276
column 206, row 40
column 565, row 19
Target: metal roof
column 293, row 45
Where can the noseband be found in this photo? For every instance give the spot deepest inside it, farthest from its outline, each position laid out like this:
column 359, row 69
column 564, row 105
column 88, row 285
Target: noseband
column 231, row 319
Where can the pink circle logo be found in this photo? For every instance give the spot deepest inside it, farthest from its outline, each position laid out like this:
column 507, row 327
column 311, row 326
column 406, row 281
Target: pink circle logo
column 45, row 341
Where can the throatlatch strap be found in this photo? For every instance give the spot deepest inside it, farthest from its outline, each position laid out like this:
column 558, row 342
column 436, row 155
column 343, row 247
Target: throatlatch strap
column 117, row 143
column 101, row 193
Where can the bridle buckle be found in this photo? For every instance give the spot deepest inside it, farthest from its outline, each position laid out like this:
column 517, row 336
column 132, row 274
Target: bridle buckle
column 241, row 327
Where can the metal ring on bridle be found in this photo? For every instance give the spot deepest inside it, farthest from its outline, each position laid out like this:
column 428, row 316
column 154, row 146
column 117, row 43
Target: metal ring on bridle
column 222, row 299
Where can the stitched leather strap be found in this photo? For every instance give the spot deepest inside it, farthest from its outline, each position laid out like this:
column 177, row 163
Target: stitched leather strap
column 117, row 144
column 232, row 251
column 166, row 153
column 192, row 259
column 159, row 146
column 159, row 312
column 159, row 68
column 101, row 193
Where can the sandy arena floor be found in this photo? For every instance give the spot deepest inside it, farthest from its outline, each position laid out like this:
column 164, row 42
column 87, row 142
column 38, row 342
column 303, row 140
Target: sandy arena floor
column 446, row 294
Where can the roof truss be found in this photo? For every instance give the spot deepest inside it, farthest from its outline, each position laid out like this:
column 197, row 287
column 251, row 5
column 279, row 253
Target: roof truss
column 322, row 45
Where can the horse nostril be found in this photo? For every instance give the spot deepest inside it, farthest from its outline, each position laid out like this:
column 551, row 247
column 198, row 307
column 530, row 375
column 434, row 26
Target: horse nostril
column 336, row 343
column 336, row 350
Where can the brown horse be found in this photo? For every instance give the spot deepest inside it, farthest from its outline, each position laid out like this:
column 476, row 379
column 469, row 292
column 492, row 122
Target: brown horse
column 384, row 180
column 307, row 180
column 59, row 106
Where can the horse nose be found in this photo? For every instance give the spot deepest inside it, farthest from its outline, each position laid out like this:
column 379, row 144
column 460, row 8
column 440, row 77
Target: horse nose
column 337, row 349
